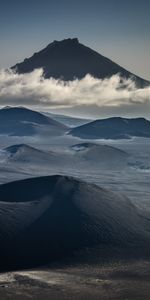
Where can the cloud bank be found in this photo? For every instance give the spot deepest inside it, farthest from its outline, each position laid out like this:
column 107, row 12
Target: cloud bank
column 33, row 90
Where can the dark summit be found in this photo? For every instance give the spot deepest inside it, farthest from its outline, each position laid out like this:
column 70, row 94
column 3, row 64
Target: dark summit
column 69, row 59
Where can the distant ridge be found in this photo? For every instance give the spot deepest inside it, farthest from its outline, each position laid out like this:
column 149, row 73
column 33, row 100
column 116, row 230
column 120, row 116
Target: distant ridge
column 21, row 121
column 69, row 59
column 113, row 128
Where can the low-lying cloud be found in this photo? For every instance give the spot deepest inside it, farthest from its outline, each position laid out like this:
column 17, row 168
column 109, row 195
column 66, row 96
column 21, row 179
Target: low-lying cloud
column 34, row 89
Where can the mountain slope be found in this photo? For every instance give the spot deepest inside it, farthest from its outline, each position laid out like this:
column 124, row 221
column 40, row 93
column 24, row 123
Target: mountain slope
column 22, row 121
column 67, row 120
column 69, row 59
column 113, row 128
column 45, row 218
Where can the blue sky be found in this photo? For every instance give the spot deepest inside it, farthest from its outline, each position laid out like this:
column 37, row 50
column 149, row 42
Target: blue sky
column 116, row 29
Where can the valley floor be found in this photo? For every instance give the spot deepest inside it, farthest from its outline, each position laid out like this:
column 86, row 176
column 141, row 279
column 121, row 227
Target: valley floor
column 115, row 281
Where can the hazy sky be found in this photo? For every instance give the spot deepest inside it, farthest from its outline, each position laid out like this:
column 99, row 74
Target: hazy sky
column 117, row 29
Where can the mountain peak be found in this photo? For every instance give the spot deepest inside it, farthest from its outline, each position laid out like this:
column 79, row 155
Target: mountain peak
column 69, row 59
column 67, row 41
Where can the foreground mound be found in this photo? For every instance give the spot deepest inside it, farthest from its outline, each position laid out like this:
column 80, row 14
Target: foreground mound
column 45, row 218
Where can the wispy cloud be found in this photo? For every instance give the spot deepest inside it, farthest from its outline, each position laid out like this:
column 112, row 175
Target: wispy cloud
column 33, row 89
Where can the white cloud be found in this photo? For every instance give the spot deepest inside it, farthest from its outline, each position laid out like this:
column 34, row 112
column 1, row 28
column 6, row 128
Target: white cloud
column 33, row 89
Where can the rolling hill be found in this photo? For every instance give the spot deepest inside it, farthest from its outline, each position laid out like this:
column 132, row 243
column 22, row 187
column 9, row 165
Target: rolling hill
column 100, row 156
